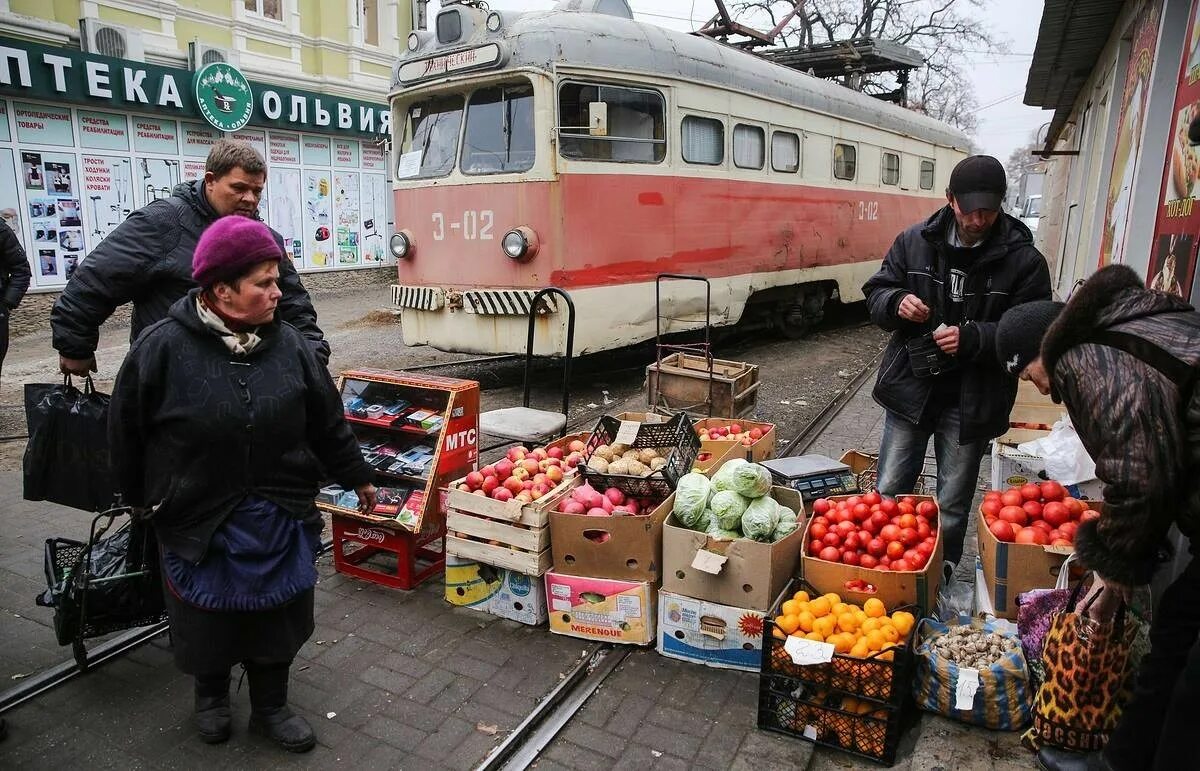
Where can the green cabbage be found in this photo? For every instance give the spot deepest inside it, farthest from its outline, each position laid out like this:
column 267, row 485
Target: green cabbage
column 705, row 522
column 786, row 514
column 691, row 498
column 739, row 476
column 784, row 529
column 716, row 531
column 723, row 479
column 728, row 507
column 760, row 519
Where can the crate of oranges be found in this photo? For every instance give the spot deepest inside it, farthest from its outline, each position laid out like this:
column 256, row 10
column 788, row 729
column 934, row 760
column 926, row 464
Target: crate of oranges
column 864, row 651
column 827, row 717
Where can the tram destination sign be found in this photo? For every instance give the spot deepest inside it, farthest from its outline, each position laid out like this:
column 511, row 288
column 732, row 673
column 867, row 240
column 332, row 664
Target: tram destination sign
column 448, row 64
column 66, row 75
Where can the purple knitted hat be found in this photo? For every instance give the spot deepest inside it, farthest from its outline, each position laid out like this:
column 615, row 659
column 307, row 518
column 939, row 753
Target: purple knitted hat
column 231, row 245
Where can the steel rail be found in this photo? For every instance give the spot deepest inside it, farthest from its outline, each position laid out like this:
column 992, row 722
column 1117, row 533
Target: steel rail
column 813, row 429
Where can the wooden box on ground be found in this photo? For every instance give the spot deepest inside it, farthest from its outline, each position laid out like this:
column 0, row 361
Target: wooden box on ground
column 601, row 609
column 743, row 573
column 761, row 449
column 506, row 534
column 681, row 383
column 913, row 587
column 709, row 633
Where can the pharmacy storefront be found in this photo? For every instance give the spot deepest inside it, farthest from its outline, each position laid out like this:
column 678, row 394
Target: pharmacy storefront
column 86, row 139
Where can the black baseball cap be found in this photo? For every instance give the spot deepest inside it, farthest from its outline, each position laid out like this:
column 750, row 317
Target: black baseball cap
column 978, row 182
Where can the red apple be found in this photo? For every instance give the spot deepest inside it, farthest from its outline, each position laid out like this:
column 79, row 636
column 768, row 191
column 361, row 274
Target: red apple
column 489, row 471
column 576, row 446
column 597, row 512
column 502, row 494
column 555, row 452
column 490, row 483
column 474, row 480
column 554, row 474
column 514, row 485
column 504, row 468
column 516, row 454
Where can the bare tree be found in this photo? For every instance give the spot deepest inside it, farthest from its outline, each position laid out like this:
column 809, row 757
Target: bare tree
column 946, row 32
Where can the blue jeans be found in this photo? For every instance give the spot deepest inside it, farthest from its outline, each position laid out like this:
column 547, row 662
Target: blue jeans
column 902, row 456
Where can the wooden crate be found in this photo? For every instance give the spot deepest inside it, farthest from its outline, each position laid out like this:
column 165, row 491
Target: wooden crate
column 535, row 514
column 509, row 557
column 506, row 535
column 681, row 383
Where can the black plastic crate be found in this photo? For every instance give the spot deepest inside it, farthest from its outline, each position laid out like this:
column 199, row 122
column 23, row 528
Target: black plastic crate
column 831, row 718
column 678, row 433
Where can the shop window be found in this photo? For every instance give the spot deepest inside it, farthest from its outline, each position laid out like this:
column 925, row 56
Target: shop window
column 499, row 136
column 926, row 175
column 785, row 152
column 891, row 169
column 636, row 131
column 270, row 9
column 845, row 161
column 369, row 11
column 430, row 141
column 749, row 146
column 703, row 140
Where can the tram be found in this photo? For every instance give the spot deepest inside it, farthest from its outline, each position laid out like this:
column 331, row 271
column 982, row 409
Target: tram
column 582, row 149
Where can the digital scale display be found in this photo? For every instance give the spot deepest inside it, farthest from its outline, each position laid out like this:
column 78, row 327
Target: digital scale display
column 813, row 476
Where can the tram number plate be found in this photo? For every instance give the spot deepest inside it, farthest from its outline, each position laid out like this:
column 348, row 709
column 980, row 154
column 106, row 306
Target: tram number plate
column 472, row 226
column 868, row 210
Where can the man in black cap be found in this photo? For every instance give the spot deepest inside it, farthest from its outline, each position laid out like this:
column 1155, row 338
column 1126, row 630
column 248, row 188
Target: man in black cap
column 941, row 290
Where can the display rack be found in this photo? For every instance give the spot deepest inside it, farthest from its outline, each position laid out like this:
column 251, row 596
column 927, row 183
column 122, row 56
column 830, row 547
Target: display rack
column 419, row 432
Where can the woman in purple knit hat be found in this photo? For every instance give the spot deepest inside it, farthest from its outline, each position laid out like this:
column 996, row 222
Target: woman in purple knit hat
column 222, row 424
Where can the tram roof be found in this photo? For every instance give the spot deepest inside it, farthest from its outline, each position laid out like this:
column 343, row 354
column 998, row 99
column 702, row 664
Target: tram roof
column 544, row 39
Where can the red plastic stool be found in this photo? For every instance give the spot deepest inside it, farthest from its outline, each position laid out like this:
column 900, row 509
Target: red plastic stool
column 356, row 543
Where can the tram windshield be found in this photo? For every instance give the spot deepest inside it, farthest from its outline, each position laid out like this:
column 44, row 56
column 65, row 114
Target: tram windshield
column 499, row 134
column 430, row 142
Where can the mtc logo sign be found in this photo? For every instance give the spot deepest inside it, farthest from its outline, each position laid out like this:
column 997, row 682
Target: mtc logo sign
column 461, row 440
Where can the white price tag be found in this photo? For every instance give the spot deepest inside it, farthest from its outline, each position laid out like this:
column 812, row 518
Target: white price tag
column 709, row 562
column 409, row 165
column 627, row 433
column 965, row 688
column 804, row 652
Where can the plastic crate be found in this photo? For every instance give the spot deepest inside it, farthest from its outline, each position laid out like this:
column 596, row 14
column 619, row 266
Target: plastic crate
column 818, row 716
column 678, row 433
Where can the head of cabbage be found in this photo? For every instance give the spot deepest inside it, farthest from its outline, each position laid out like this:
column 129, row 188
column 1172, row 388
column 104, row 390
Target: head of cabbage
column 760, row 520
column 728, row 507
column 720, row 533
column 748, row 479
column 691, row 499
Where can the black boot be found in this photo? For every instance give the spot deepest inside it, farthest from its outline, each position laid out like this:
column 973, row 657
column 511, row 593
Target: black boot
column 214, row 718
column 1055, row 759
column 270, row 715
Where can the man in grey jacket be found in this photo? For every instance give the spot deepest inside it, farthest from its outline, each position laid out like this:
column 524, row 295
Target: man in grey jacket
column 147, row 260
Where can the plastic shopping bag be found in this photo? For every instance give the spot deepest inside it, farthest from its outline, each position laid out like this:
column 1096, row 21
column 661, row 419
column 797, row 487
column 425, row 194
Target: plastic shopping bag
column 1066, row 459
column 66, row 460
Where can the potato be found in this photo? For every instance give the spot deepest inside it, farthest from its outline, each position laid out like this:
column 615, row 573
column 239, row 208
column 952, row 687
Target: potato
column 598, row 463
column 619, row 449
column 637, row 468
column 647, row 456
column 630, row 454
column 619, row 466
column 603, row 451
column 657, row 463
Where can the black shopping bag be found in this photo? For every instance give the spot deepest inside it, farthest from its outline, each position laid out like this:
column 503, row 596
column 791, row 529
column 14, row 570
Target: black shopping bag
column 66, row 460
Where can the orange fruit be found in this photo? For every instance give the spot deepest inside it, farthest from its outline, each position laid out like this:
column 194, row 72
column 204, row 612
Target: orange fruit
column 778, row 634
column 789, row 608
column 847, row 622
column 833, row 598
column 820, row 607
column 860, row 649
column 874, row 608
column 844, row 643
column 814, row 636
column 870, row 625
column 824, row 625
column 904, row 622
column 886, row 656
column 875, row 640
column 839, row 608
column 789, row 623
column 801, row 596
column 806, row 621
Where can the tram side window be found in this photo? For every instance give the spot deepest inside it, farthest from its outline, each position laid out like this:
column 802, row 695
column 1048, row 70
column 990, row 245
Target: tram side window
column 785, row 152
column 845, row 161
column 499, row 135
column 703, row 140
column 636, row 131
column 430, row 142
column 891, row 169
column 749, row 146
column 926, row 175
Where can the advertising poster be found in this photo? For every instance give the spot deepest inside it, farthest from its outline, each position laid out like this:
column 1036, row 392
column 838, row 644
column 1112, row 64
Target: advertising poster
column 154, row 135
column 283, row 195
column 256, row 139
column 318, row 219
column 1129, row 133
column 345, row 202
column 373, row 241
column 108, row 194
column 43, row 124
column 284, row 148
column 198, row 140
column 155, row 178
column 193, row 170
column 10, row 201
column 373, row 157
column 103, row 131
column 345, row 153
column 315, row 151
column 1173, row 258
column 55, row 215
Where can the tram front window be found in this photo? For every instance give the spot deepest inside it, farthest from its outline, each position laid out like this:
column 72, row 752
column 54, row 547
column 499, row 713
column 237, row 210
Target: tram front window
column 430, row 142
column 499, row 135
column 635, row 124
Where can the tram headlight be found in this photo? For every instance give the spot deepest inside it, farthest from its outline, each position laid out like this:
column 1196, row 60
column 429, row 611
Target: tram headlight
column 494, row 22
column 401, row 244
column 520, row 243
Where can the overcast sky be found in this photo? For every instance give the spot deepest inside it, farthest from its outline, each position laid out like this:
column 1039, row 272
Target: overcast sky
column 1004, row 122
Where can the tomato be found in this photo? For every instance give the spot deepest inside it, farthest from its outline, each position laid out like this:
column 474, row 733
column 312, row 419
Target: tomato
column 821, row 505
column 992, row 507
column 1068, row 529
column 907, row 520
column 864, row 536
column 879, row 519
column 814, row 547
column 1042, row 525
column 867, row 561
column 1012, row 497
column 1088, row 515
column 1031, row 535
column 909, row 536
column 1053, row 491
column 850, row 557
column 877, row 547
column 845, row 528
column 1056, row 513
column 817, row 530
column 832, row 539
column 870, row 526
column 911, row 556
column 885, row 561
column 1003, row 530
column 1061, row 542
column 831, row 554
column 887, row 506
column 1033, row 509
column 872, row 498
column 836, row 516
column 927, row 508
column 852, row 501
column 905, row 508
column 988, row 520
column 861, row 512
column 889, row 532
column 991, row 495
column 923, row 529
column 911, row 501
column 1014, row 514
column 901, row 566
column 851, row 542
column 925, row 549
column 1074, row 505
column 1031, row 492
column 895, row 550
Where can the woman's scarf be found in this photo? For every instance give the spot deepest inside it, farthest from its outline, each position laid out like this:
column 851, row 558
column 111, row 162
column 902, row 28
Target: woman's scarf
column 240, row 343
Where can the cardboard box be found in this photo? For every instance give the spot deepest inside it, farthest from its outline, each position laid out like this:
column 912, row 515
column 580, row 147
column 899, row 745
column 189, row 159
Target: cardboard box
column 628, row 548
column 709, row 633
column 1010, row 569
column 719, row 453
column 500, row 592
column 741, row 573
column 763, row 449
column 913, row 587
column 601, row 609
column 1013, row 468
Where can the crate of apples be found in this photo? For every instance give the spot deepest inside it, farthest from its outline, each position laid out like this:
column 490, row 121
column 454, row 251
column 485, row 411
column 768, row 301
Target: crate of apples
column 874, row 532
column 523, row 474
column 731, row 432
column 1040, row 514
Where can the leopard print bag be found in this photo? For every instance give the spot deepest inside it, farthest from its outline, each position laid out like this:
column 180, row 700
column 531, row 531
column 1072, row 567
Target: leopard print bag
column 1087, row 666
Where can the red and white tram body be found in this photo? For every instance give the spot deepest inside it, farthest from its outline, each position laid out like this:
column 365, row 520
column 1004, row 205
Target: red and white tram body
column 603, row 152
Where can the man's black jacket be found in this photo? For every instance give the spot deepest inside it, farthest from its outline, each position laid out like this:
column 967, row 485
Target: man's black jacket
column 1007, row 271
column 14, row 269
column 147, row 260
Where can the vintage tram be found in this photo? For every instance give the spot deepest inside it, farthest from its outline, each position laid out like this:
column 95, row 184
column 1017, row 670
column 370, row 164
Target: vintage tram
column 582, row 149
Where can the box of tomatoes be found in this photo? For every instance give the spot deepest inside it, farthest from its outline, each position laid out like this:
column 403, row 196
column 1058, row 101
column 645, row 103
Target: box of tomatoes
column 1025, row 535
column 864, row 546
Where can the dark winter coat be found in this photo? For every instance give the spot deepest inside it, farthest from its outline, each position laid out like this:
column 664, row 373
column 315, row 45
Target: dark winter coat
column 1007, row 271
column 195, row 428
column 1133, row 420
column 147, row 260
column 14, row 269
